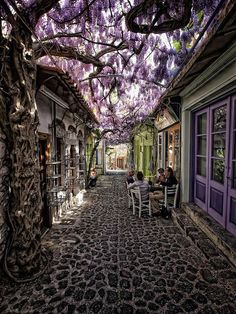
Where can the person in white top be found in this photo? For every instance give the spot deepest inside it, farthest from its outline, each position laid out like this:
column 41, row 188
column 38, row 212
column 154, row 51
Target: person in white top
column 143, row 186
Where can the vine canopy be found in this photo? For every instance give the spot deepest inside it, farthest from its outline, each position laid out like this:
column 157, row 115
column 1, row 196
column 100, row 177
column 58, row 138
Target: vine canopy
column 122, row 54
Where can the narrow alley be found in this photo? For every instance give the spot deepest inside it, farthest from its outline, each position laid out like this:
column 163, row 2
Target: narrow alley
column 105, row 260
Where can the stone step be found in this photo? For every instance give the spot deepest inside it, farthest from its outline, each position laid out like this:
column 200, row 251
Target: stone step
column 202, row 229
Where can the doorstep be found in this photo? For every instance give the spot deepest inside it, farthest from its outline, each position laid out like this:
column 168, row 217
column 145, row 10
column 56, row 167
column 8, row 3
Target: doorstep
column 200, row 227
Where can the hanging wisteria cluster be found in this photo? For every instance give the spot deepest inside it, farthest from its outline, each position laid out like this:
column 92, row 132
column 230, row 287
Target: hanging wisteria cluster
column 121, row 53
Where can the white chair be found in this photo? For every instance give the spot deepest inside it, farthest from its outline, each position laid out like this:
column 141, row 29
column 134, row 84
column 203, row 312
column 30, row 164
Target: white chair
column 170, row 198
column 138, row 203
column 129, row 195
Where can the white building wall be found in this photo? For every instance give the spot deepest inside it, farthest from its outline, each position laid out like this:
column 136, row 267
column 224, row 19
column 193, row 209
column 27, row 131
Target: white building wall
column 215, row 82
column 44, row 105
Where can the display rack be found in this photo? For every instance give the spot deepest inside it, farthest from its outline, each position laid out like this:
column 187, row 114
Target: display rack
column 56, row 192
column 71, row 172
column 82, row 172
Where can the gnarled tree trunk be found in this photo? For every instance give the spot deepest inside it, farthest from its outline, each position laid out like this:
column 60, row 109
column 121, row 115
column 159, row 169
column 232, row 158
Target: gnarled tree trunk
column 23, row 254
column 4, row 174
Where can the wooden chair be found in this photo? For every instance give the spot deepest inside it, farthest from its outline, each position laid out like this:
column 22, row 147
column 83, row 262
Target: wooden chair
column 170, row 197
column 129, row 195
column 139, row 204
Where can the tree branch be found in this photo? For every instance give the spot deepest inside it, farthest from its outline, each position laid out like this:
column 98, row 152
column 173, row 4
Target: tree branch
column 76, row 35
column 66, row 52
column 169, row 24
column 101, row 76
column 121, row 46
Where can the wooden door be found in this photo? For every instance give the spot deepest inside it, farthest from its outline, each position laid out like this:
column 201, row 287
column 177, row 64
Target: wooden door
column 218, row 161
column 231, row 173
column 201, row 158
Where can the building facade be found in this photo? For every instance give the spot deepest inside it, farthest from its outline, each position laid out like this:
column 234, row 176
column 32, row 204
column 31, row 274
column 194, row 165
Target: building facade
column 143, row 150
column 209, row 111
column 64, row 142
column 167, row 139
column 206, row 86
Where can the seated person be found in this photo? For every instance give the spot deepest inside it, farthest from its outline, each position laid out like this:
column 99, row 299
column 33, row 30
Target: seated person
column 160, row 175
column 143, row 186
column 159, row 178
column 169, row 180
column 130, row 177
column 93, row 177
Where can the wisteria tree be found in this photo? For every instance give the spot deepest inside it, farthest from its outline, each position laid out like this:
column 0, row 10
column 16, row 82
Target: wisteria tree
column 121, row 53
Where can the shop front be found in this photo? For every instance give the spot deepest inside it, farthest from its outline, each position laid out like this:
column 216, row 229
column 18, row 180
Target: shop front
column 205, row 89
column 168, row 141
column 62, row 119
column 208, row 137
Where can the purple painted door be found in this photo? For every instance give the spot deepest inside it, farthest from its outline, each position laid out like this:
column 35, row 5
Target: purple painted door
column 215, row 162
column 231, row 175
column 218, row 160
column 201, row 158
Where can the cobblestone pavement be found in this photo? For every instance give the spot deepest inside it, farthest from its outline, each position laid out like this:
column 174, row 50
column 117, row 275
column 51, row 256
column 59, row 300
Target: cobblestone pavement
column 105, row 260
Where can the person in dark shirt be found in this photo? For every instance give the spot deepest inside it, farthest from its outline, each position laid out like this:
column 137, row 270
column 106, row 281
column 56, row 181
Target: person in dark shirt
column 93, row 178
column 169, row 179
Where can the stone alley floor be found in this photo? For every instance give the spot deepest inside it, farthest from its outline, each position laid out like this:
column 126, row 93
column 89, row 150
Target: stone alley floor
column 105, row 260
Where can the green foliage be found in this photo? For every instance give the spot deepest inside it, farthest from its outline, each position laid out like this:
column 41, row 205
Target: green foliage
column 177, row 45
column 200, row 16
column 188, row 45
